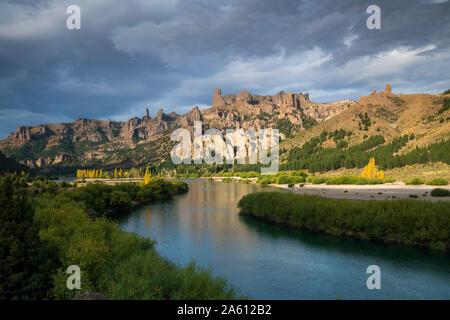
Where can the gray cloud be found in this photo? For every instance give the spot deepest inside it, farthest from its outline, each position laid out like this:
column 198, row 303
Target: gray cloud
column 172, row 54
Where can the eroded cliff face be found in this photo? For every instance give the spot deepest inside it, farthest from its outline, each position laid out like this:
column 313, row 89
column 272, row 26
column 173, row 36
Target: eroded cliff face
column 86, row 140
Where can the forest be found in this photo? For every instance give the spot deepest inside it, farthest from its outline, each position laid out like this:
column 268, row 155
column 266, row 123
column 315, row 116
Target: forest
column 315, row 158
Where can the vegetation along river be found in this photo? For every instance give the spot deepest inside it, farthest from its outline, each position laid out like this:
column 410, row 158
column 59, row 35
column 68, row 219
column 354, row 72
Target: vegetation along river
column 267, row 261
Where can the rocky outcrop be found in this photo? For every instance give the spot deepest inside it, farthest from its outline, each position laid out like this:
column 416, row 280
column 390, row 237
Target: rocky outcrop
column 218, row 100
column 243, row 98
column 22, row 133
column 378, row 98
column 388, row 89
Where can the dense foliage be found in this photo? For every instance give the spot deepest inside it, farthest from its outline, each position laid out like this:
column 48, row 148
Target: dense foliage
column 25, row 266
column 116, row 263
column 96, row 198
column 408, row 222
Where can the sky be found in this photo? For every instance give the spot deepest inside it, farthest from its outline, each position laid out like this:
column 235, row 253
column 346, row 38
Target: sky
column 172, row 54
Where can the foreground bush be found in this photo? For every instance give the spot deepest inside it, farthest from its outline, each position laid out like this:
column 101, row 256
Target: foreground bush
column 24, row 263
column 437, row 182
column 408, row 222
column 438, row 192
column 118, row 264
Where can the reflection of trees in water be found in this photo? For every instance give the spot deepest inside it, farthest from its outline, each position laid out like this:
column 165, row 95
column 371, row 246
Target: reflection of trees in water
column 413, row 257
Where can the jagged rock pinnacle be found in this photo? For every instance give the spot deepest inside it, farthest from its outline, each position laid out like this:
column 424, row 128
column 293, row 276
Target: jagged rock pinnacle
column 388, row 89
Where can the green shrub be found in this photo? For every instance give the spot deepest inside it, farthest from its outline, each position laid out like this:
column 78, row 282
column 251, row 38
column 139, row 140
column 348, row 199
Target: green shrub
column 437, row 182
column 438, row 192
column 119, row 199
column 316, row 180
column 415, row 181
column 353, row 180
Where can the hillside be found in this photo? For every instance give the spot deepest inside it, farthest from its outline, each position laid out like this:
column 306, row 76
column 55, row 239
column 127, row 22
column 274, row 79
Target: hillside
column 384, row 124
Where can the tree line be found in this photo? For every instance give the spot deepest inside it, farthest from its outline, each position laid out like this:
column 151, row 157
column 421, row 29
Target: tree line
column 315, row 158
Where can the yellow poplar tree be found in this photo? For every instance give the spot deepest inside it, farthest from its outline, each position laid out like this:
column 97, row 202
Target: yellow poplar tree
column 147, row 176
column 370, row 171
column 115, row 173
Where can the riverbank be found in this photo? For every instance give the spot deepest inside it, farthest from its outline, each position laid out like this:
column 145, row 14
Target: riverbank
column 414, row 223
column 387, row 191
column 367, row 192
column 69, row 227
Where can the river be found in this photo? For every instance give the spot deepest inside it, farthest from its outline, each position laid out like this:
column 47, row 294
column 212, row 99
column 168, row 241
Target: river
column 271, row 262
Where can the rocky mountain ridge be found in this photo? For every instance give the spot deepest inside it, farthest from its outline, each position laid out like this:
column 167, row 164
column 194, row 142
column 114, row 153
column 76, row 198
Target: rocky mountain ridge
column 85, row 141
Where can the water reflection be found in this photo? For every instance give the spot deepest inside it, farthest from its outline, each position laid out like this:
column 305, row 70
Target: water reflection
column 268, row 261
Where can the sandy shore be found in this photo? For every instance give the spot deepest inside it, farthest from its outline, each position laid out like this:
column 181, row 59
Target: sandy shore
column 367, row 192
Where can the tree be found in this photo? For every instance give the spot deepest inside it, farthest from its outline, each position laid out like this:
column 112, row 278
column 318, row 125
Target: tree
column 147, row 176
column 115, row 173
column 25, row 267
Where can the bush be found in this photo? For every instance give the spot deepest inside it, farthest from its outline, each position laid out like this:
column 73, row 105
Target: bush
column 408, row 222
column 438, row 192
column 415, row 181
column 316, row 180
column 96, row 198
column 437, row 182
column 353, row 180
column 119, row 199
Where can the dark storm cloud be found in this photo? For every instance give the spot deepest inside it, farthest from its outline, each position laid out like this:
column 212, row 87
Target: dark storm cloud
column 172, row 54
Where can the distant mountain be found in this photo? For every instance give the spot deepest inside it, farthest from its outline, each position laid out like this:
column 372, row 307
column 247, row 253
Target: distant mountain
column 397, row 129
column 390, row 115
column 146, row 140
